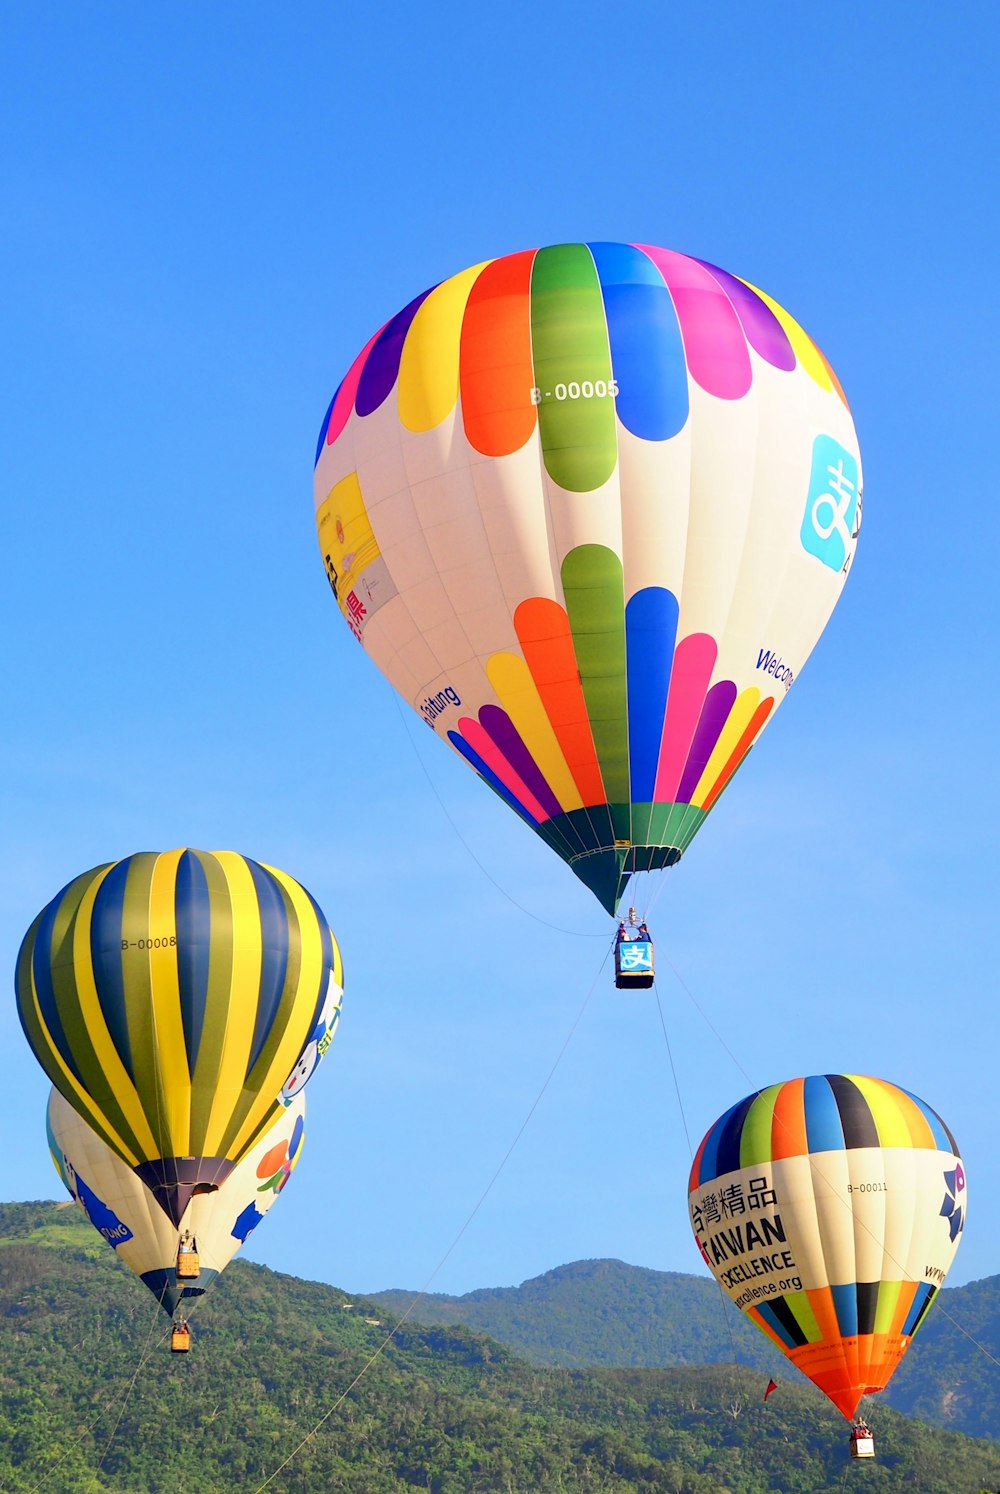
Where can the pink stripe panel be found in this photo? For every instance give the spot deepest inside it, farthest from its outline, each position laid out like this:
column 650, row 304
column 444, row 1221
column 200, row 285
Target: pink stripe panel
column 694, row 660
column 480, row 740
column 344, row 402
column 714, row 343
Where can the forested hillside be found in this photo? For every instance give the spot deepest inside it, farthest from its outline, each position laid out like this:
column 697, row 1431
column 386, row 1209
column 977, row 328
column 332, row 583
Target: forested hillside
column 604, row 1312
column 93, row 1401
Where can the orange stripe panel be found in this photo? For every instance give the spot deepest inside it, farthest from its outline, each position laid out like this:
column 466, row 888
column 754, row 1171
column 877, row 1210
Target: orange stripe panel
column 547, row 643
column 738, row 753
column 788, row 1124
column 495, row 369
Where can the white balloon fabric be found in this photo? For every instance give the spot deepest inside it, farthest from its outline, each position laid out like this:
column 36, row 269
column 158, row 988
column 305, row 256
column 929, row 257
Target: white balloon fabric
column 124, row 1210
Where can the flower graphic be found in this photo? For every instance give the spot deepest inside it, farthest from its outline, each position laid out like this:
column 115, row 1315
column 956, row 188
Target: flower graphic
column 951, row 1208
column 278, row 1162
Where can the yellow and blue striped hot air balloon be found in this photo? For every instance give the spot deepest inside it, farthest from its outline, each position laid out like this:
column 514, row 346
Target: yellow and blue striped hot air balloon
column 589, row 508
column 177, row 1000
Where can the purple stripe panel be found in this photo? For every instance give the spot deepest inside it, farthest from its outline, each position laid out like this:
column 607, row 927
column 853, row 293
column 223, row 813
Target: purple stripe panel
column 382, row 368
column 764, row 332
column 718, row 704
column 501, row 728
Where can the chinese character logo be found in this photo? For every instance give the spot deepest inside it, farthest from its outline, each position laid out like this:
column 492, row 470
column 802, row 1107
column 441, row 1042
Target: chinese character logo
column 953, row 1207
column 833, row 507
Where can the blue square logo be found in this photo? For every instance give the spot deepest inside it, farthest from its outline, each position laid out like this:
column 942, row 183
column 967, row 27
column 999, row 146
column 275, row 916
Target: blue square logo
column 829, row 523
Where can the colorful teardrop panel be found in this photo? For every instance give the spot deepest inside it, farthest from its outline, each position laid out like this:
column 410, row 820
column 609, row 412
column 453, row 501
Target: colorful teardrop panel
column 589, row 508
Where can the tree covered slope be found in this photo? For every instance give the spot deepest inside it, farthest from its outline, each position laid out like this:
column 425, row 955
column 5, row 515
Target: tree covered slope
column 605, row 1312
column 93, row 1401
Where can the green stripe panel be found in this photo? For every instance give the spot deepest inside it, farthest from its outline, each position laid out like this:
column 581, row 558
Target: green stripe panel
column 595, row 604
column 283, row 1015
column 136, row 973
column 755, row 1137
column 800, row 1307
column 888, row 1300
column 63, row 973
column 569, row 347
column 219, row 1003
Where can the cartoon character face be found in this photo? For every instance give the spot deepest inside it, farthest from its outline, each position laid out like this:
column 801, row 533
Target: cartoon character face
column 319, row 1040
column 302, row 1071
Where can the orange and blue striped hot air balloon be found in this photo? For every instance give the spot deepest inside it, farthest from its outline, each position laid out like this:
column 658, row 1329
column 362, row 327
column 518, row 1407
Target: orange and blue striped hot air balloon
column 177, row 1001
column 830, row 1209
column 589, row 508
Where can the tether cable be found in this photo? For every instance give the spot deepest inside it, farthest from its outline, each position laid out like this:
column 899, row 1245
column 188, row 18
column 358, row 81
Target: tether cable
column 817, row 1170
column 388, row 1337
column 145, row 1352
column 576, row 933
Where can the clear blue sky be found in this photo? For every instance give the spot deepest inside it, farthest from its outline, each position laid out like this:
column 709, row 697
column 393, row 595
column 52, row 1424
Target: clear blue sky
column 208, row 210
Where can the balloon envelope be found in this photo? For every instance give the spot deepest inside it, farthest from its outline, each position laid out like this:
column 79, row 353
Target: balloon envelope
column 830, row 1209
column 124, row 1211
column 589, row 508
column 170, row 997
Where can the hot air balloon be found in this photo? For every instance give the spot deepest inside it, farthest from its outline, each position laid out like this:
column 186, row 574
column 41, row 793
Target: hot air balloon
column 589, row 508
column 214, row 1225
column 829, row 1209
column 177, row 1002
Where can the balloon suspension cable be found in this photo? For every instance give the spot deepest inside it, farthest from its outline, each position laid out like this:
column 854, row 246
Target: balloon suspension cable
column 428, row 1283
column 690, row 1147
column 148, row 1348
column 576, row 933
column 818, row 1172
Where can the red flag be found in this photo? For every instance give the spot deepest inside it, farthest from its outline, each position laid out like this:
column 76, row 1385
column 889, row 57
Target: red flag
column 771, row 1385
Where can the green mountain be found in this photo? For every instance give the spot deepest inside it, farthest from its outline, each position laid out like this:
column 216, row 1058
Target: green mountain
column 93, row 1401
column 605, row 1312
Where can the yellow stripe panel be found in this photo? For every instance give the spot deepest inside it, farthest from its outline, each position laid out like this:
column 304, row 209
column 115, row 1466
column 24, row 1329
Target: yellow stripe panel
column 244, row 997
column 96, row 1118
column 887, row 1113
column 165, row 999
column 511, row 679
column 90, row 1007
column 803, row 346
column 738, row 720
column 428, row 368
column 299, row 1022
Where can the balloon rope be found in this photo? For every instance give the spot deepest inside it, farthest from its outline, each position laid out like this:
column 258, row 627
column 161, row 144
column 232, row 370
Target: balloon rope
column 687, row 1137
column 145, row 1352
column 490, row 878
column 387, row 1339
column 814, row 1168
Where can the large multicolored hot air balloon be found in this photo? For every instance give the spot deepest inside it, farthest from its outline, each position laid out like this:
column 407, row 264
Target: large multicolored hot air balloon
column 589, row 508
column 177, row 1002
column 123, row 1210
column 830, row 1209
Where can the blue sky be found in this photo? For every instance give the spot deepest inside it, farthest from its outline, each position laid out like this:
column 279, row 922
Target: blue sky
column 209, row 210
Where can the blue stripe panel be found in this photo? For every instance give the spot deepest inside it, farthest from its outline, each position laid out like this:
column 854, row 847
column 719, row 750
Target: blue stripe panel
column 722, row 1150
column 326, row 937
column 326, row 422
column 942, row 1136
column 775, row 1323
column 920, row 1304
column 472, row 756
column 845, row 1301
column 647, row 351
column 275, row 936
column 650, row 634
column 106, row 958
column 43, row 959
column 193, row 916
column 824, row 1131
